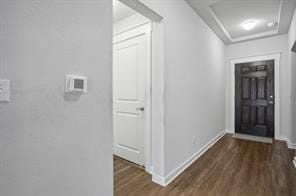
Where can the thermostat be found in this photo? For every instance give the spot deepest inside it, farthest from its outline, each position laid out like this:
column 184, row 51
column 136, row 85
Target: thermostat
column 76, row 84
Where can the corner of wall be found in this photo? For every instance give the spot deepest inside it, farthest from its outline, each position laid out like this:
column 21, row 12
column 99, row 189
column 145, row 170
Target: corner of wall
column 165, row 180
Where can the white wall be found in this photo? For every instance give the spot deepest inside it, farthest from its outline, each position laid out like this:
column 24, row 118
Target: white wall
column 271, row 45
column 52, row 144
column 292, row 61
column 194, row 81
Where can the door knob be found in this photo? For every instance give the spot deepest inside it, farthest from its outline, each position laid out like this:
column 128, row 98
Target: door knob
column 271, row 97
column 271, row 102
column 141, row 108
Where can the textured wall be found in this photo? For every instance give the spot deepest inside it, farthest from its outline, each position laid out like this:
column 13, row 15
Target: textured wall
column 52, row 144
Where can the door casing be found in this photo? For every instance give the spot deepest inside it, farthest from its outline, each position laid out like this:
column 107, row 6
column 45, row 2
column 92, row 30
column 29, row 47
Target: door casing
column 143, row 30
column 253, row 95
column 276, row 57
column 155, row 161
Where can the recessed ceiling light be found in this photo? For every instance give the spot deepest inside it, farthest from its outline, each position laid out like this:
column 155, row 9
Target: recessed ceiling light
column 249, row 24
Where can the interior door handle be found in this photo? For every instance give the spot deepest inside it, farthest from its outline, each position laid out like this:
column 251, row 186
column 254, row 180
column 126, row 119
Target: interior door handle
column 141, row 108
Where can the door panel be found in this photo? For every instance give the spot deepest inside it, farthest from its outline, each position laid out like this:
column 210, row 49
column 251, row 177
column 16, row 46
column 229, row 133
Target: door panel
column 254, row 98
column 127, row 72
column 127, row 125
column 129, row 63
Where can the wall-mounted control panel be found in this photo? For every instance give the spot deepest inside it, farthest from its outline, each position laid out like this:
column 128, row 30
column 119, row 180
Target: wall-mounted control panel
column 75, row 84
column 4, row 90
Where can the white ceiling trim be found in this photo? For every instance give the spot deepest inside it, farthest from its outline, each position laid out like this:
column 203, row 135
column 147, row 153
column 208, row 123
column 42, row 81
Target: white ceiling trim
column 141, row 8
column 211, row 11
column 257, row 35
column 253, row 36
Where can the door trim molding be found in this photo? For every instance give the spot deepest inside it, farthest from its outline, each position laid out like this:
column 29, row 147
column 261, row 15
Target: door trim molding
column 157, row 101
column 143, row 30
column 154, row 129
column 155, row 165
column 276, row 57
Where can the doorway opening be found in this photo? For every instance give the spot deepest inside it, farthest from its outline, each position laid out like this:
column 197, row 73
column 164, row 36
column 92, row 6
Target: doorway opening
column 255, row 96
column 131, row 88
column 137, row 66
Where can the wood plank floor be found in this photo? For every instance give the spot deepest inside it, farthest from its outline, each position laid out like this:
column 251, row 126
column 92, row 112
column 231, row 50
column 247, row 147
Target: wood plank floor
column 231, row 167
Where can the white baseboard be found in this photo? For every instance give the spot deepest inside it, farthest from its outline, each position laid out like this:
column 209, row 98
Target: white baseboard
column 158, row 179
column 164, row 181
column 149, row 169
column 229, row 131
column 289, row 143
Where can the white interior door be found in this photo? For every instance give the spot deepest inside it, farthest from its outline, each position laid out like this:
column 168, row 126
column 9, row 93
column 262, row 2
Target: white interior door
column 129, row 65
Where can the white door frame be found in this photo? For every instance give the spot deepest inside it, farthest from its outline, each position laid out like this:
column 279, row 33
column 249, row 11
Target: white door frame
column 154, row 110
column 276, row 57
column 154, row 154
column 142, row 30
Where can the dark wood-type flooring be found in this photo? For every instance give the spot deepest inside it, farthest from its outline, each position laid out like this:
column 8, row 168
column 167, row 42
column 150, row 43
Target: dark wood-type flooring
column 232, row 167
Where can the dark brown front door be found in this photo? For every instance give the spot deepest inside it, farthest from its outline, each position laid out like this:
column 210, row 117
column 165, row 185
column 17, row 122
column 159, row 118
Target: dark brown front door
column 254, row 98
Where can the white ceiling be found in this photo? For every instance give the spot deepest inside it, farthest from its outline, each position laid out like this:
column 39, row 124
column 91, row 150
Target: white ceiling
column 121, row 11
column 225, row 17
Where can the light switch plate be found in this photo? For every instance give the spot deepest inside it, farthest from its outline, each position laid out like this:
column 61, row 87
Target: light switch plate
column 4, row 90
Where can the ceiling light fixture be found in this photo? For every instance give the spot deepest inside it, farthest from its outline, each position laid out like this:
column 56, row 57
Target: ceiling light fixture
column 249, row 24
